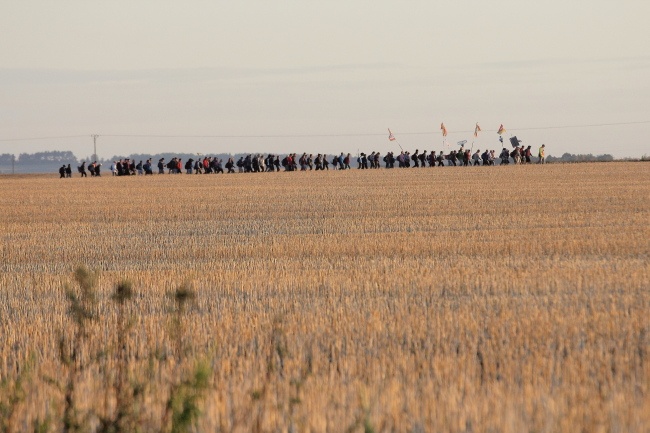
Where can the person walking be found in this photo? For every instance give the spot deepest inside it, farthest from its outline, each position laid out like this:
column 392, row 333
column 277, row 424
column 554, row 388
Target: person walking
column 171, row 166
column 515, row 155
column 147, row 167
column 230, row 165
column 416, row 159
column 505, row 156
column 528, row 153
column 485, row 157
column 476, row 157
column 218, row 166
column 542, row 154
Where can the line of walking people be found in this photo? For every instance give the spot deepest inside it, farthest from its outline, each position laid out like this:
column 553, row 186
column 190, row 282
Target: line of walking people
column 291, row 162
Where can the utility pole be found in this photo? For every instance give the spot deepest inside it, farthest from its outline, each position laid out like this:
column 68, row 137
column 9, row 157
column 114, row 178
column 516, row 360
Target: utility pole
column 13, row 164
column 95, row 146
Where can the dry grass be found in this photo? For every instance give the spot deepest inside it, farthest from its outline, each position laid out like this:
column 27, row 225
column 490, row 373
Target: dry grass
column 506, row 299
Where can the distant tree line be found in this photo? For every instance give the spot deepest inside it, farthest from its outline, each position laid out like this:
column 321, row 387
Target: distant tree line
column 50, row 162
column 38, row 162
column 45, row 162
column 168, row 156
column 570, row 157
column 58, row 156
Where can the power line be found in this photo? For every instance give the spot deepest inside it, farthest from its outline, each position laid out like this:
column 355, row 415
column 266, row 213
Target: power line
column 593, row 125
column 243, row 136
column 43, row 138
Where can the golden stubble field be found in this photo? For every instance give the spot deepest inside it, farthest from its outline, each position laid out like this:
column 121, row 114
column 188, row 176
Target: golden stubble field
column 487, row 299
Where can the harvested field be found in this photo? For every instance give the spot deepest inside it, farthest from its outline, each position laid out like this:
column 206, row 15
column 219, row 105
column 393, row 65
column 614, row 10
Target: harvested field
column 481, row 299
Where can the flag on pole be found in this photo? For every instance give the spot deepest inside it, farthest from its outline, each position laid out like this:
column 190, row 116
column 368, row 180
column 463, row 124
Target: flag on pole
column 443, row 129
column 477, row 129
column 501, row 130
column 391, row 137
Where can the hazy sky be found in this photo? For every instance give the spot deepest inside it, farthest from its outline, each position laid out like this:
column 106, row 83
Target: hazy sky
column 339, row 73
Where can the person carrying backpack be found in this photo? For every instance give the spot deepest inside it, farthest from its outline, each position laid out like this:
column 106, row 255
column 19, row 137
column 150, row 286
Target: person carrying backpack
column 230, row 164
column 416, row 159
column 346, row 162
column 528, row 154
column 171, row 166
column 147, row 167
column 476, row 157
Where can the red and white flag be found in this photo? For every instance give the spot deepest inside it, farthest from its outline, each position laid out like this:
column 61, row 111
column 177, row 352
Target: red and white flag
column 443, row 129
column 477, row 129
column 391, row 137
column 501, row 130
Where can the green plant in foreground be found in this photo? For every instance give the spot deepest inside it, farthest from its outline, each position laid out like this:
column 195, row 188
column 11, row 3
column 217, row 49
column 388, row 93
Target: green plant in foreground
column 12, row 394
column 182, row 409
column 81, row 308
column 184, row 399
column 125, row 417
